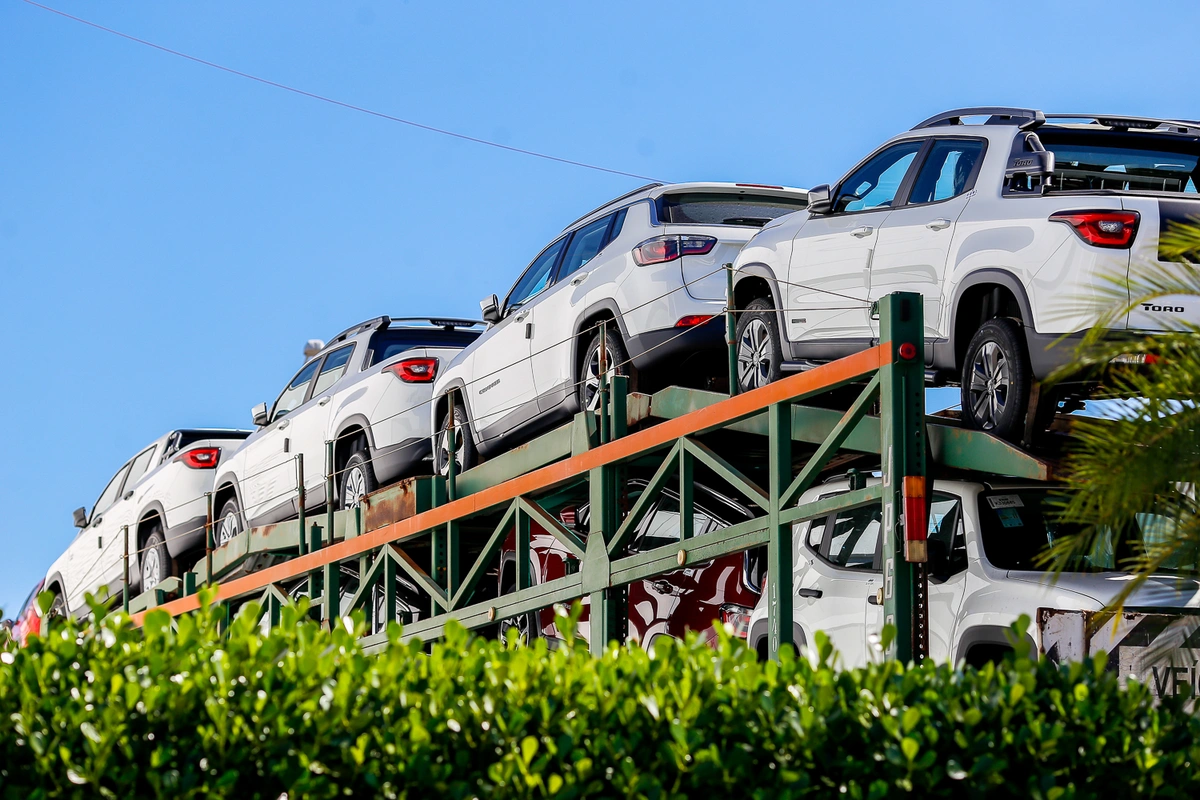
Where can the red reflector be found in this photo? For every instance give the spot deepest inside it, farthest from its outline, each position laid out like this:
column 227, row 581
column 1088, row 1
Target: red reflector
column 1102, row 228
column 916, row 526
column 691, row 320
column 200, row 457
column 414, row 370
column 662, row 249
column 568, row 516
column 736, row 617
column 908, row 351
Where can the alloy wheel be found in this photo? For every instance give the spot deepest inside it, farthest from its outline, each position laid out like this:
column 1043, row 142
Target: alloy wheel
column 356, row 487
column 229, row 528
column 444, row 448
column 990, row 385
column 754, row 355
column 591, row 380
column 151, row 568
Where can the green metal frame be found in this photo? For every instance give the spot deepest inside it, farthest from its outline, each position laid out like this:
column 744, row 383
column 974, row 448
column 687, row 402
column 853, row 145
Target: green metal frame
column 459, row 524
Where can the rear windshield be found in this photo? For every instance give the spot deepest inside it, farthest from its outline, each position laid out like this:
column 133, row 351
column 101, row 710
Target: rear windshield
column 386, row 344
column 1018, row 525
column 717, row 208
column 1091, row 161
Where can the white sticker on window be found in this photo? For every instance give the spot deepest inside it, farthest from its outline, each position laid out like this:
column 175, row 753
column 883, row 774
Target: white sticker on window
column 1005, row 501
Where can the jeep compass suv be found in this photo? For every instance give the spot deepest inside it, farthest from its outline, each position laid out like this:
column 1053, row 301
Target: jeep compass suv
column 1013, row 229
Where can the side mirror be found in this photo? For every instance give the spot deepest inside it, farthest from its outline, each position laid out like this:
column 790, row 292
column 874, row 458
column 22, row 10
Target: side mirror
column 490, row 309
column 820, row 199
column 259, row 413
column 80, row 517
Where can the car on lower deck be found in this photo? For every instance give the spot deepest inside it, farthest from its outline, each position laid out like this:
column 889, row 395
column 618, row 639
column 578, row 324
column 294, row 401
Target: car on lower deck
column 159, row 495
column 721, row 591
column 647, row 269
column 28, row 619
column 985, row 545
column 367, row 391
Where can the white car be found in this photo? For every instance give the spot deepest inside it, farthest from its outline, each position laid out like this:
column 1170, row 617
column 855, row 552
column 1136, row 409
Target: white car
column 650, row 263
column 367, row 391
column 159, row 494
column 984, row 543
column 1012, row 229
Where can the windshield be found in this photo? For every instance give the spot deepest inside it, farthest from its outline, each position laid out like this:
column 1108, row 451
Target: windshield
column 1017, row 525
column 724, row 208
column 1089, row 161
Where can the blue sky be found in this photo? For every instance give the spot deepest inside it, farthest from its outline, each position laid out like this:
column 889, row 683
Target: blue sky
column 170, row 235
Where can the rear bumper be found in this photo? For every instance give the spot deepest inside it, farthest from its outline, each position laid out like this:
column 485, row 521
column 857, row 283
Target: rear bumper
column 670, row 344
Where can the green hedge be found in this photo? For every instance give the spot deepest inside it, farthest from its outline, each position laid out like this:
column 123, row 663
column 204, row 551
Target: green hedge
column 116, row 712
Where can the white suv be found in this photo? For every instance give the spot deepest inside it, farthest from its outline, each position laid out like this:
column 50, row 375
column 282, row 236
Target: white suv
column 367, row 391
column 159, row 494
column 1012, row 229
column 984, row 572
column 650, row 264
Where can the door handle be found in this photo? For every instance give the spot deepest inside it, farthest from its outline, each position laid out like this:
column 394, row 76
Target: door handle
column 861, row 231
column 521, row 315
column 324, row 400
column 128, row 495
column 938, row 224
column 580, row 278
column 661, row 586
column 97, row 521
column 876, row 599
column 284, row 424
column 809, row 592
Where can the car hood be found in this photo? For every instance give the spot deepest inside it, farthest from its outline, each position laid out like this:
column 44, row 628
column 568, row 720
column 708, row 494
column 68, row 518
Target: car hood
column 1163, row 591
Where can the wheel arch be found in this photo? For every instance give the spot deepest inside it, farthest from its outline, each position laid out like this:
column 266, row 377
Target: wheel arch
column 602, row 309
column 982, row 295
column 988, row 636
column 54, row 583
column 226, row 488
column 441, row 405
column 749, row 283
column 349, row 431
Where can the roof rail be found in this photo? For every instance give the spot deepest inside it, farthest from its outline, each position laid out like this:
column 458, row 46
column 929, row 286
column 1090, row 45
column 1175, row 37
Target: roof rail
column 449, row 323
column 1135, row 123
column 1024, row 118
column 376, row 323
column 597, row 209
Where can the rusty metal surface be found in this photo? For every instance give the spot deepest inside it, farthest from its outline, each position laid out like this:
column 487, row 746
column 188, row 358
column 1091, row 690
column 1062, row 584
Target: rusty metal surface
column 390, row 504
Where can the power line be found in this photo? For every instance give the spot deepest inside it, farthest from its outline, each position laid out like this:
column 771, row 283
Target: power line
column 332, row 101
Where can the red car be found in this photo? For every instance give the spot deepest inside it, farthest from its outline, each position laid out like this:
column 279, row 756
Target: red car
column 689, row 599
column 28, row 621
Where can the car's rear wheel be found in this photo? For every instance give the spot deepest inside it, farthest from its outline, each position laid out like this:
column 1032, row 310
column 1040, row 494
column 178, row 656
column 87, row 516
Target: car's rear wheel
column 617, row 361
column 156, row 561
column 465, row 456
column 759, row 353
column 358, row 480
column 230, row 523
column 525, row 625
column 996, row 379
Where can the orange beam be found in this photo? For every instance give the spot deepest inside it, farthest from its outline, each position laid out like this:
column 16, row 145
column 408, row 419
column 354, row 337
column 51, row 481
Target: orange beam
column 714, row 416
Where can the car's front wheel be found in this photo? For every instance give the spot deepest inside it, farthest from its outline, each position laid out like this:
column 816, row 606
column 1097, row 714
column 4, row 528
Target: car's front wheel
column 464, row 447
column 996, row 379
column 358, row 480
column 759, row 353
column 156, row 561
column 230, row 523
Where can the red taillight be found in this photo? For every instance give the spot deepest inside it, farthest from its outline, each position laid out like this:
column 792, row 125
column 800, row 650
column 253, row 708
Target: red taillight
column 569, row 516
column 736, row 617
column 662, row 249
column 414, row 370
column 200, row 457
column 916, row 526
column 692, row 320
column 1102, row 228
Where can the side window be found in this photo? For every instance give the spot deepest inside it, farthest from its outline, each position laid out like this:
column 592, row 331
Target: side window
column 536, row 277
column 661, row 526
column 618, row 223
column 294, row 394
column 947, row 536
column 848, row 540
column 875, row 184
column 586, row 243
column 333, row 368
column 947, row 171
column 140, row 463
column 110, row 493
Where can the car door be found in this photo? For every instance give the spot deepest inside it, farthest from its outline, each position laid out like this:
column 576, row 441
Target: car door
column 829, row 274
column 552, row 315
column 269, row 482
column 844, row 571
column 308, row 426
column 915, row 240
column 502, row 394
column 88, row 563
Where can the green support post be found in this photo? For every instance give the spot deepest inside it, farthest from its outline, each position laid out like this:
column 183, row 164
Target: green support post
column 902, row 436
column 189, row 583
column 389, row 590
column 730, row 331
column 522, row 566
column 602, row 387
column 609, row 606
column 687, row 509
column 314, row 577
column 779, row 546
column 331, row 598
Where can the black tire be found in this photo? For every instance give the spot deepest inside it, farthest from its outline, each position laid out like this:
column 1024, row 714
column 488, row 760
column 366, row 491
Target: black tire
column 358, row 479
column 526, row 624
column 759, row 352
column 587, row 387
column 996, row 379
column 154, row 561
column 58, row 607
column 229, row 523
column 465, row 455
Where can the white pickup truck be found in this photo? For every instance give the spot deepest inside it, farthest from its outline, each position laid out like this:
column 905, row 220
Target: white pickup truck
column 984, row 543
